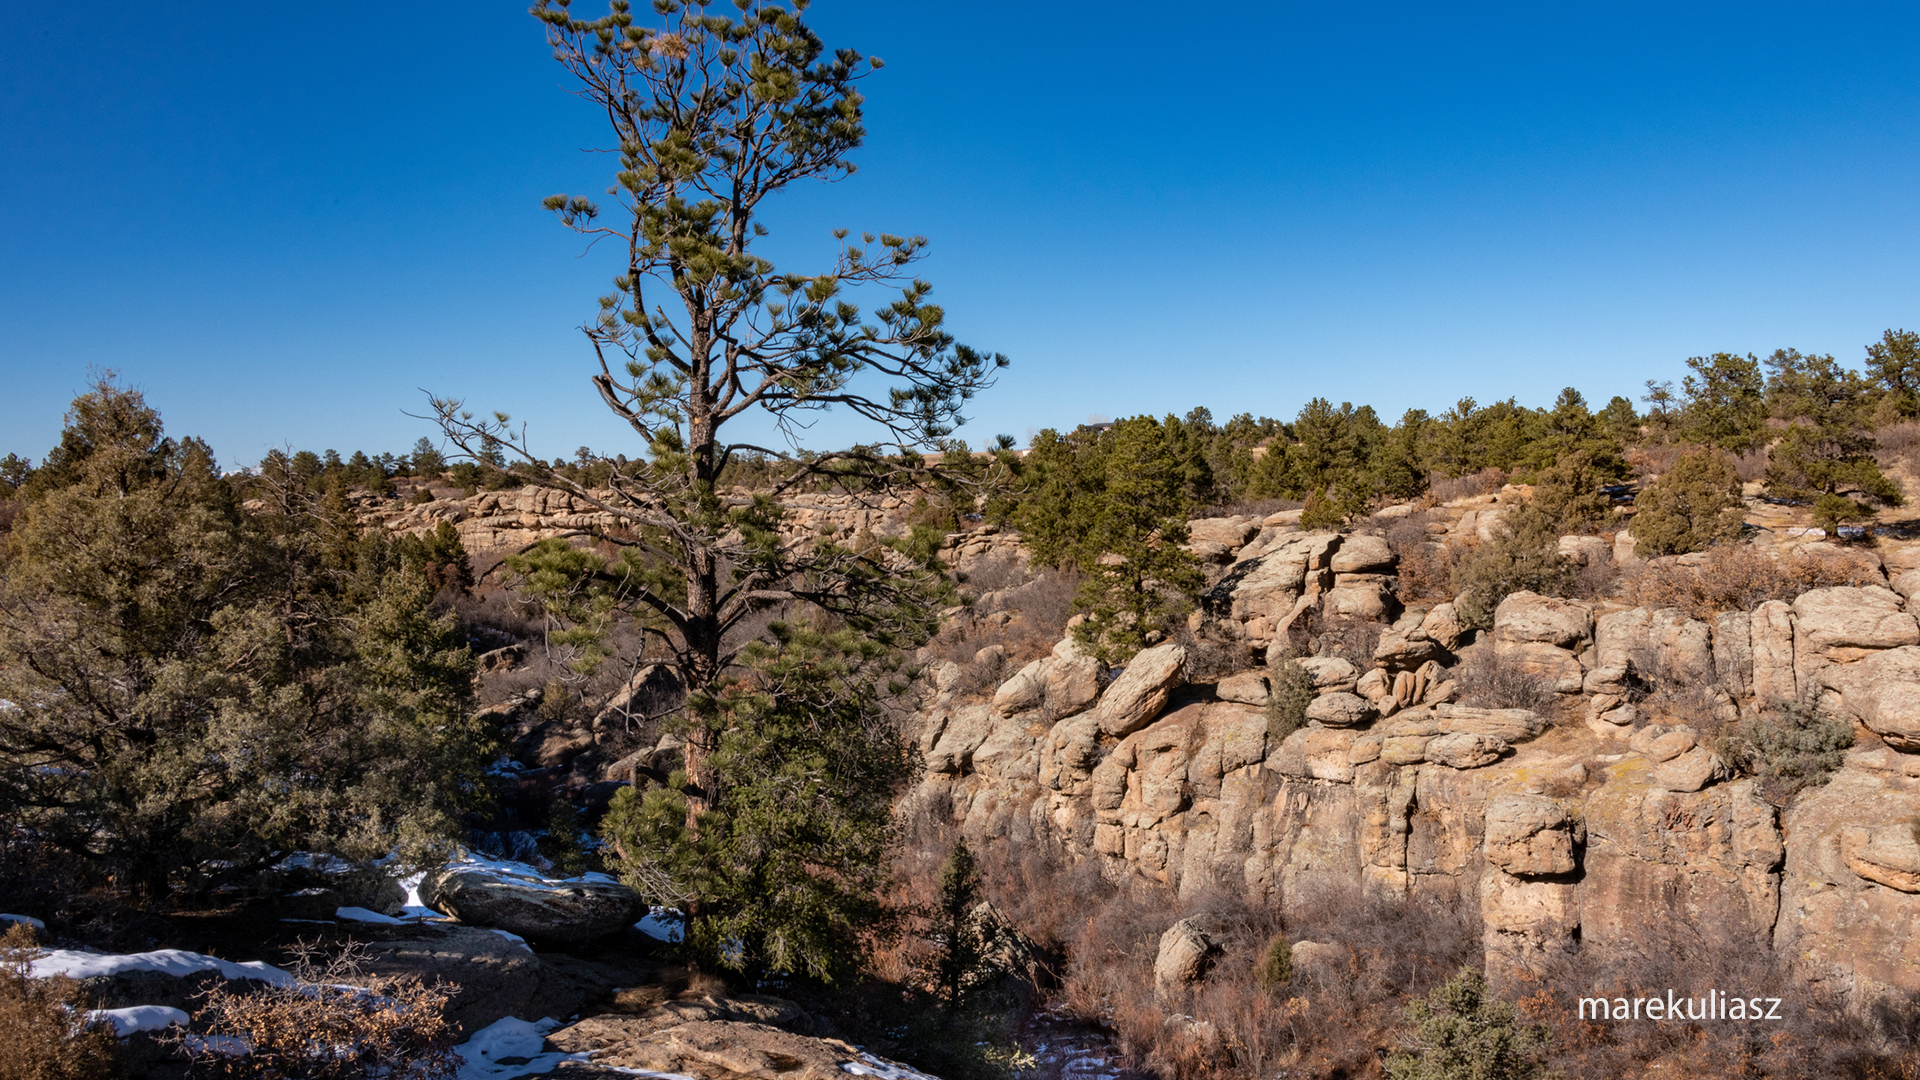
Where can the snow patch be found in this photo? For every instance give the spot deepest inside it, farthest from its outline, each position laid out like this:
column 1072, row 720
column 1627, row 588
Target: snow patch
column 511, row 1038
column 663, row 924
column 224, row 1045
column 524, row 874
column 86, row 965
column 868, row 1065
column 510, row 936
column 415, row 907
column 309, row 860
column 140, row 1018
column 28, row 919
column 360, row 914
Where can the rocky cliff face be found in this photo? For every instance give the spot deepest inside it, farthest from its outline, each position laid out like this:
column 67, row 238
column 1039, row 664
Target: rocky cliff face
column 499, row 521
column 1614, row 830
column 1605, row 828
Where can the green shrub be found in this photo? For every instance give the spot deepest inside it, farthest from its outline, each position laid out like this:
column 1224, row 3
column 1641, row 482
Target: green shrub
column 1520, row 559
column 1786, row 750
column 1462, row 1032
column 1276, row 964
column 1830, row 511
column 1696, row 504
column 1287, row 700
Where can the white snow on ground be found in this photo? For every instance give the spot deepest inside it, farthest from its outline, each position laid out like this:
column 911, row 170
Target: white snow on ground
column 360, row 914
column 511, row 1038
column 416, row 908
column 308, row 860
column 28, row 919
column 663, row 924
column 86, row 965
column 525, row 873
column 510, row 936
column 868, row 1065
column 140, row 1018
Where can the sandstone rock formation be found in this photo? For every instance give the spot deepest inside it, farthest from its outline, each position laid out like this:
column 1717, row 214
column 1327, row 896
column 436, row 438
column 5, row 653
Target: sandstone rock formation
column 1606, row 836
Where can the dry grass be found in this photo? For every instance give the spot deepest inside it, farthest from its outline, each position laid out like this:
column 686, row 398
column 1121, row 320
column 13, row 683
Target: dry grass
column 1752, row 465
column 45, row 1034
column 1254, row 508
column 1736, row 577
column 1332, row 1020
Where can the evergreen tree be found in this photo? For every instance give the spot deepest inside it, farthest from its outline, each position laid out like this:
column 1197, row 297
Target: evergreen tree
column 210, row 682
column 426, row 460
column 1620, row 421
column 1524, row 556
column 1570, row 429
column 1826, row 454
column 1138, row 578
column 1399, row 464
column 782, row 866
column 1662, row 411
column 1893, row 363
column 1724, row 402
column 1462, row 1032
column 1567, row 497
column 1067, row 477
column 1694, row 505
column 711, row 114
column 967, row 942
column 1187, row 442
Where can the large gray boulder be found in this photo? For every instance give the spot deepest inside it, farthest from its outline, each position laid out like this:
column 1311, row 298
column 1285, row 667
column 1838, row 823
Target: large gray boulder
column 570, row 911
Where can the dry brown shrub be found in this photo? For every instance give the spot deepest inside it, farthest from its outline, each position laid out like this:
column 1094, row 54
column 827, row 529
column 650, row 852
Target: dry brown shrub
column 334, row 1024
column 1026, row 621
column 1488, row 681
column 1736, row 577
column 1816, row 1035
column 1426, row 575
column 43, row 1031
column 1595, row 580
column 1255, row 508
column 1751, row 465
column 1649, row 461
column 1235, row 1023
column 1444, row 489
column 1352, row 640
column 1899, row 446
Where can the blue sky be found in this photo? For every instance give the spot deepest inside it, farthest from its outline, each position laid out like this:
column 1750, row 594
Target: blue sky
column 283, row 221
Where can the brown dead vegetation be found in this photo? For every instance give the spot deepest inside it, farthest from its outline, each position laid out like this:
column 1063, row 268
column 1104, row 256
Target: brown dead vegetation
column 46, row 1033
column 328, row 1028
column 1736, row 577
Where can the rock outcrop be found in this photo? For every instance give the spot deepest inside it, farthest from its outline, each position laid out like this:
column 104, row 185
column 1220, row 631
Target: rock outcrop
column 572, row 911
column 1612, row 835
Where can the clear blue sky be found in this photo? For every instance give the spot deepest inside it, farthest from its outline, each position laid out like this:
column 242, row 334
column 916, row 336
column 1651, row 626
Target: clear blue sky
column 283, row 220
